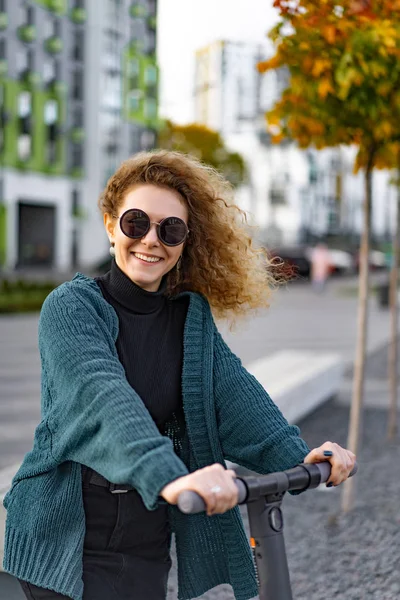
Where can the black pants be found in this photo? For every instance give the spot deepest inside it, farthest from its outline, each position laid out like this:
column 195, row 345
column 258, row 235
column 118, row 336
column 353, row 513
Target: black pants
column 126, row 549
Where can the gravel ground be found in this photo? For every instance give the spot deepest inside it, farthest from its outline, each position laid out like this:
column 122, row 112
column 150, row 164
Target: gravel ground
column 376, row 366
column 347, row 557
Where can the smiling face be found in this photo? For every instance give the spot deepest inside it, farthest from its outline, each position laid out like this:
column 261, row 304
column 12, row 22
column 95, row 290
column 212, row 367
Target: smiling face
column 130, row 254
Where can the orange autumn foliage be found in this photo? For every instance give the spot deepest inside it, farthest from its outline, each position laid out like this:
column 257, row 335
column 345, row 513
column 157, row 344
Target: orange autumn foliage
column 343, row 57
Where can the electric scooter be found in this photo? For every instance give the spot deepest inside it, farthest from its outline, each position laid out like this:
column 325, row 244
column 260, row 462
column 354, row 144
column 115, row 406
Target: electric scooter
column 263, row 495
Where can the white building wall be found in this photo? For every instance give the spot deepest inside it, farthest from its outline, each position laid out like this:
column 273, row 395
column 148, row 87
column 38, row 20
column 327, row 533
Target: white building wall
column 93, row 242
column 38, row 189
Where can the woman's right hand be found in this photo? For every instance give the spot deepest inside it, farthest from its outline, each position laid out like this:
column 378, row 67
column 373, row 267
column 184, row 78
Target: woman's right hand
column 214, row 484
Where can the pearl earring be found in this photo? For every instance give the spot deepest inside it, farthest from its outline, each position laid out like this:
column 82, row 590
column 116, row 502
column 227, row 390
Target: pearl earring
column 112, row 250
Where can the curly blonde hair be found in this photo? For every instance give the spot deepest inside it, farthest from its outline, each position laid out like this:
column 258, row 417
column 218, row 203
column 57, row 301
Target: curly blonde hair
column 219, row 259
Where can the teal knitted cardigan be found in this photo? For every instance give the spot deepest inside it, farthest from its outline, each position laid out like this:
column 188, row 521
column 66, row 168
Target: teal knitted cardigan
column 92, row 416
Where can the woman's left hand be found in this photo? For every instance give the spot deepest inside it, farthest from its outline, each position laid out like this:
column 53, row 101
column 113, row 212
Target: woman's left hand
column 342, row 461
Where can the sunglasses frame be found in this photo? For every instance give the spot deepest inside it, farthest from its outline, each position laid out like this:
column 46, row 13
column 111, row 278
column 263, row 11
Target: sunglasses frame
column 150, row 223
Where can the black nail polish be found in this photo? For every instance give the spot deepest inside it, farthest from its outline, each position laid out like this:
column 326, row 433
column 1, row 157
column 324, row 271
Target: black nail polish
column 330, row 484
column 328, row 453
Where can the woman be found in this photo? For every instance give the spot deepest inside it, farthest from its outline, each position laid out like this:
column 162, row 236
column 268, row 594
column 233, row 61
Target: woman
column 142, row 399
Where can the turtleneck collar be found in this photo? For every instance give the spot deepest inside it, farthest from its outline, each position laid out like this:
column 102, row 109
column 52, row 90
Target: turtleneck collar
column 130, row 295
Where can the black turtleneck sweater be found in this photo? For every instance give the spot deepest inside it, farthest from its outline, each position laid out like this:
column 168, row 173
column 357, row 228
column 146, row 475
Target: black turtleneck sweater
column 150, row 342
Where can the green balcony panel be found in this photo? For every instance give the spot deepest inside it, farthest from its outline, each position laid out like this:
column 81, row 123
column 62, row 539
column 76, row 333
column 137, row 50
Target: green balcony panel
column 57, row 87
column 31, row 78
column 137, row 46
column 3, row 20
column 57, row 6
column 152, row 22
column 80, row 213
column 78, row 15
column 140, row 101
column 138, row 10
column 77, row 172
column 77, row 135
column 27, row 33
column 38, row 158
column 3, row 234
column 3, row 67
column 11, row 92
column 54, row 45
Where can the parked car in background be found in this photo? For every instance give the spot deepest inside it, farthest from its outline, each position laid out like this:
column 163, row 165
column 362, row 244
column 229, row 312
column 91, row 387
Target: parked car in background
column 377, row 260
column 342, row 262
column 296, row 261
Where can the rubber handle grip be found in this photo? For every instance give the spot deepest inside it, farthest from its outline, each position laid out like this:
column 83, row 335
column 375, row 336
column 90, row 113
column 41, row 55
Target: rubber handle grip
column 325, row 470
column 191, row 503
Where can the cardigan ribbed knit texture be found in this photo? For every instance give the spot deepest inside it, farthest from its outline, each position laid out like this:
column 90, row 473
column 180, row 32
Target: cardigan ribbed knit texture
column 92, row 416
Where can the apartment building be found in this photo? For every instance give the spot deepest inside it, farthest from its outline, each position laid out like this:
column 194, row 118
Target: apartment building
column 78, row 94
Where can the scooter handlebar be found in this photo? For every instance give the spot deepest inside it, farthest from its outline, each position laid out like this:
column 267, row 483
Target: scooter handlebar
column 325, row 469
column 190, row 502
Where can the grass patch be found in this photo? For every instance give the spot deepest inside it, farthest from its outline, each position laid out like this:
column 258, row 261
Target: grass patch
column 352, row 291
column 23, row 296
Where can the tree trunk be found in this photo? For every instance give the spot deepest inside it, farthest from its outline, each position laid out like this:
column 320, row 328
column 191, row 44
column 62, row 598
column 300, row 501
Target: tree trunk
column 393, row 347
column 348, row 493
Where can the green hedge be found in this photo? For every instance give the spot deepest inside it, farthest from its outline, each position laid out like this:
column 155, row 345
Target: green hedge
column 23, row 296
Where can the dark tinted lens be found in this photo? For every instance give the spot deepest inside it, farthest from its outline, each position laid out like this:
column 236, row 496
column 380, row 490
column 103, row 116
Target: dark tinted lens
column 173, row 231
column 135, row 223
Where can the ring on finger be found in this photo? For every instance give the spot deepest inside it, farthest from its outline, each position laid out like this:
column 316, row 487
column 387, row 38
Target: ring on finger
column 216, row 489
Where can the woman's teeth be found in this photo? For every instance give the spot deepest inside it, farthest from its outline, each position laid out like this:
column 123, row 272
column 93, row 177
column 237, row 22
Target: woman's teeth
column 147, row 258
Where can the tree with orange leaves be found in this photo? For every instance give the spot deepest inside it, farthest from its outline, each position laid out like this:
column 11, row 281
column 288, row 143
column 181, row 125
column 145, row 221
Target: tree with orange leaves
column 344, row 62
column 206, row 145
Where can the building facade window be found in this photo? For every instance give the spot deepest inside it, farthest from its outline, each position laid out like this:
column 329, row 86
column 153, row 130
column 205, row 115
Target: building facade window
column 147, row 139
column 150, row 75
column 3, row 7
column 30, row 61
column 3, row 49
column 50, row 117
column 49, row 71
column 134, row 141
column 75, row 213
column 21, row 60
column 134, row 98
column 78, row 45
column 76, row 156
column 56, row 27
column 77, row 117
column 150, row 108
column 151, row 42
column 24, row 141
column 26, row 15
column 133, row 73
column 77, row 85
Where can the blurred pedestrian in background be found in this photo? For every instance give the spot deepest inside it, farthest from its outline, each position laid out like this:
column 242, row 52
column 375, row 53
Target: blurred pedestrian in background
column 320, row 267
column 142, row 399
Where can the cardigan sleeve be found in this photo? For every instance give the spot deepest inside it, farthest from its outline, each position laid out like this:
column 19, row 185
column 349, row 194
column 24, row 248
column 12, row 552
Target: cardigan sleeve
column 252, row 430
column 95, row 417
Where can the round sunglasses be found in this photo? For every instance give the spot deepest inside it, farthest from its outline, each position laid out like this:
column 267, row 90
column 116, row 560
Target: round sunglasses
column 171, row 231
